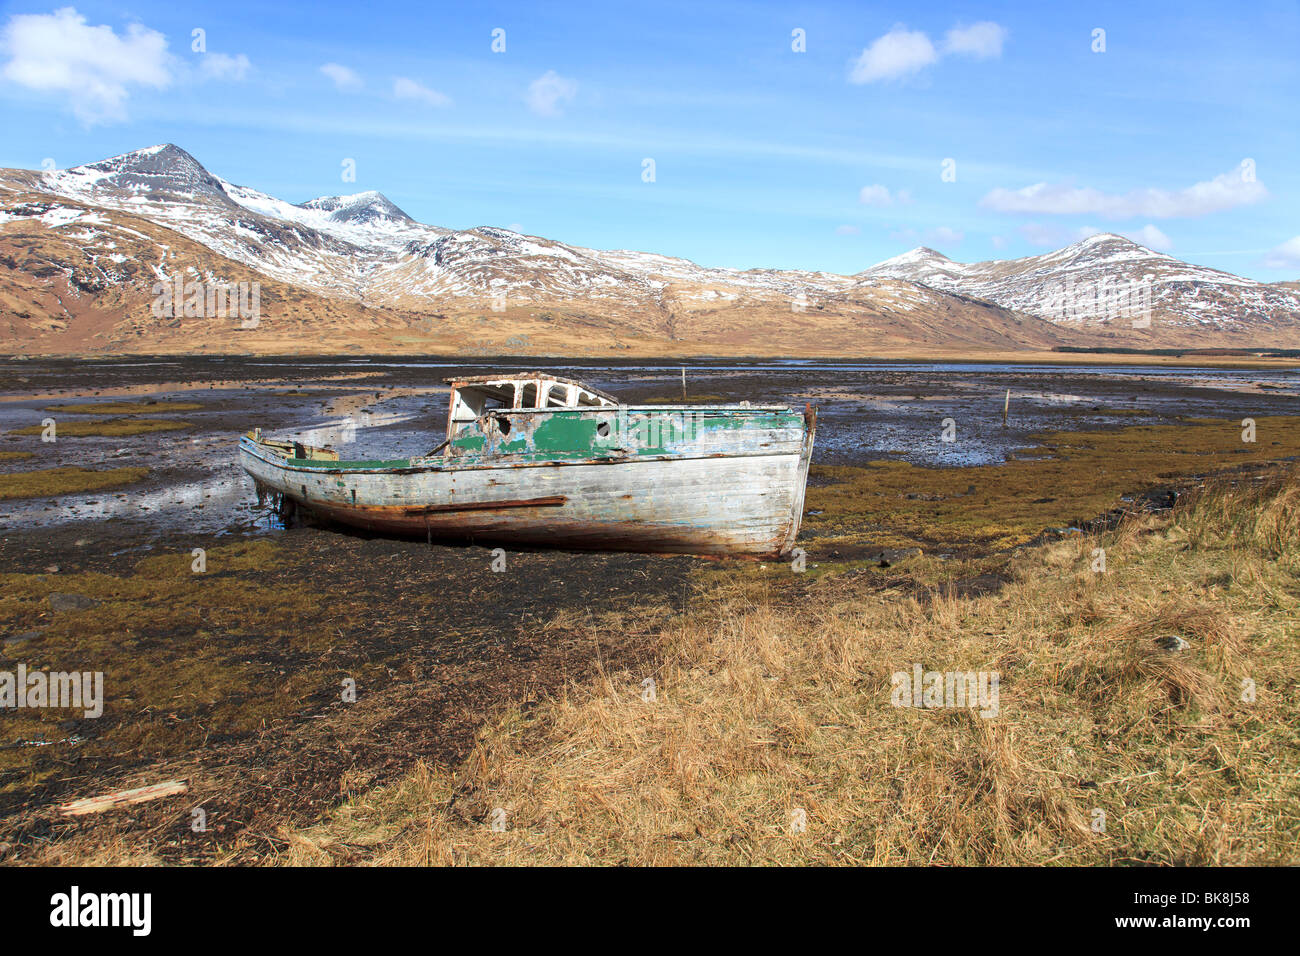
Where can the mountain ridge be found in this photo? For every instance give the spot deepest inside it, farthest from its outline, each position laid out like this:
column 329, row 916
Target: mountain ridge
column 363, row 252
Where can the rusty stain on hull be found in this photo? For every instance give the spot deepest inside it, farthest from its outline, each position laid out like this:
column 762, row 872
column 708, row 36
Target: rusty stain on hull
column 546, row 461
column 384, row 511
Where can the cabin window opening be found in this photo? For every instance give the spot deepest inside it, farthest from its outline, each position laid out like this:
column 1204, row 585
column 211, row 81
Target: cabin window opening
column 528, row 397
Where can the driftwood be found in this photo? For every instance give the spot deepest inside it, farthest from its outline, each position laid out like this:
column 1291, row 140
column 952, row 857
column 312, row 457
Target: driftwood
column 123, row 798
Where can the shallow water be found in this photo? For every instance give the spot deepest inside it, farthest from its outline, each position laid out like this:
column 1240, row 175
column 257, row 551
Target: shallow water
column 866, row 411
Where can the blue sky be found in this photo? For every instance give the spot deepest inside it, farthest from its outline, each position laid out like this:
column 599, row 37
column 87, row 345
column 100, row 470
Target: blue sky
column 832, row 158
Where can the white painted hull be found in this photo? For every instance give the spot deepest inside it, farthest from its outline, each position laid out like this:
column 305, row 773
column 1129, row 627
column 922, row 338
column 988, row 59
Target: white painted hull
column 739, row 504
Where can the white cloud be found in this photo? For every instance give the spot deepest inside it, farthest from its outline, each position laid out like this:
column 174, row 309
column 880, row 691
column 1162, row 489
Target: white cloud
column 549, row 91
column 1051, row 236
column 945, row 234
column 344, row 78
column 405, row 89
column 1151, row 237
column 901, row 52
column 1225, row 191
column 982, row 40
column 222, row 66
column 1285, row 256
column 847, row 230
column 876, row 195
column 94, row 66
column 897, row 53
column 999, row 242
column 1037, row 234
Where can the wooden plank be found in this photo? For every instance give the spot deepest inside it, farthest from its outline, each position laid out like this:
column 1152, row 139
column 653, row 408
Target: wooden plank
column 123, row 798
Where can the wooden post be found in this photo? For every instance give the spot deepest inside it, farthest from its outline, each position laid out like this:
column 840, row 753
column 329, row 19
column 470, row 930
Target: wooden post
column 683, row 383
column 1006, row 407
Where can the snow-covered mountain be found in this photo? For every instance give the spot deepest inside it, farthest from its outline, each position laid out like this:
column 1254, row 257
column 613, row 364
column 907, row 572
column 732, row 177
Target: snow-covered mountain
column 1108, row 281
column 95, row 232
column 365, row 246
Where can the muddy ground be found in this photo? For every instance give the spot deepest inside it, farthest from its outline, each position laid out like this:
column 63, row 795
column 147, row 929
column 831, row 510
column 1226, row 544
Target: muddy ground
column 234, row 678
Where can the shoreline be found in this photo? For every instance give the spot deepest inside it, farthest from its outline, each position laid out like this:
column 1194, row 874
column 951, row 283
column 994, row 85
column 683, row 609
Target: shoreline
column 1065, row 359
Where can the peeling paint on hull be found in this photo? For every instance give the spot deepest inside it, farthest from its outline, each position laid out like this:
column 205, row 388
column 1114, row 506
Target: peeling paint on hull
column 746, row 499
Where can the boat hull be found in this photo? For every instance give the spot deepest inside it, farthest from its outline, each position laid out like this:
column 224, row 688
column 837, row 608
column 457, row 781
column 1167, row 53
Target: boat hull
column 713, row 505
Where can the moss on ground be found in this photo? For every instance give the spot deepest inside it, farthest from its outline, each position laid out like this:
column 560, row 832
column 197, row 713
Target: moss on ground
column 51, row 482
column 122, row 408
column 106, row 427
column 186, row 655
column 1073, row 476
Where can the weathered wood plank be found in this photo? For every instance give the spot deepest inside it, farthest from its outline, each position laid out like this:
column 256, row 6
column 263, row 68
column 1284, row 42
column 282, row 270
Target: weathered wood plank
column 123, row 798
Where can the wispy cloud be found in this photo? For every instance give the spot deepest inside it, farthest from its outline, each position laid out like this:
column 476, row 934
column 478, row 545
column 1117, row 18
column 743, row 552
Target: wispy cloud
column 94, row 66
column 902, row 52
column 408, row 89
column 878, row 195
column 1052, row 236
column 345, row 78
column 1047, row 236
column 847, row 230
column 1285, row 256
column 981, row 40
column 1151, row 237
column 1226, row 191
column 223, row 66
column 898, row 53
column 549, row 92
column 939, row 235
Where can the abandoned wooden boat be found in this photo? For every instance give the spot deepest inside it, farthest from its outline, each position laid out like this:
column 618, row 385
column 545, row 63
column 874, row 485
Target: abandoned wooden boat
column 541, row 460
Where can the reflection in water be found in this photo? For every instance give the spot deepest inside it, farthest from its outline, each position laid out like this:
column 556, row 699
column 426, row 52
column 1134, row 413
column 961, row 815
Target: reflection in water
column 206, row 505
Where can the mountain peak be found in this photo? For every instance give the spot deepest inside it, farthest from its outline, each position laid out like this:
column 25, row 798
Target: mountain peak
column 1107, row 246
column 921, row 256
column 925, row 252
column 1105, row 239
column 364, row 207
column 165, row 168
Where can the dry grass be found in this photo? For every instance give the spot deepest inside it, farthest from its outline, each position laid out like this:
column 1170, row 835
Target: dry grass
column 764, row 710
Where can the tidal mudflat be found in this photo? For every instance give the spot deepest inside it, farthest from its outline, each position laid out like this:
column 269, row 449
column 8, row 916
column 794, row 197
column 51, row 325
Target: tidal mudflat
column 232, row 676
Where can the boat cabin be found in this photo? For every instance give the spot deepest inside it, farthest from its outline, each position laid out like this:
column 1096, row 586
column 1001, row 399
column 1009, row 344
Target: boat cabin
column 472, row 398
